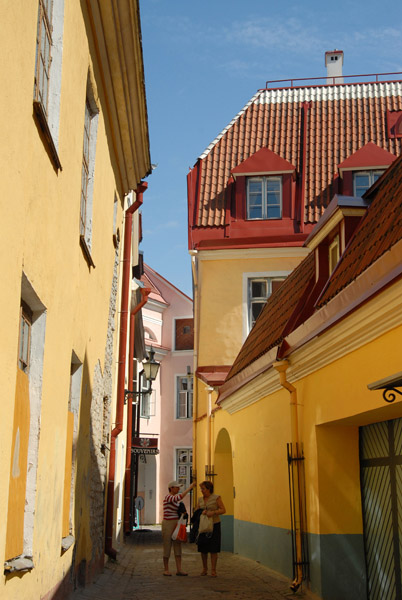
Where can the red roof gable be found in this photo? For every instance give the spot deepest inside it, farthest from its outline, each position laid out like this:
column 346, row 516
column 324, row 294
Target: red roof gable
column 330, row 122
column 264, row 161
column 368, row 156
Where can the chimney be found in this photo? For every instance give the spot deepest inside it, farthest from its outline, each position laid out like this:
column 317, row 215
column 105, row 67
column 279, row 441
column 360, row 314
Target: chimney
column 334, row 62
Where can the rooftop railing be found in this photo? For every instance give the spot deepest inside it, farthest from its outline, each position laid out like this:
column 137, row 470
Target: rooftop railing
column 375, row 77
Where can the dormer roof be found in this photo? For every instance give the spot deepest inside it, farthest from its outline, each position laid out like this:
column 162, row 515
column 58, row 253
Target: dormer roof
column 263, row 162
column 369, row 156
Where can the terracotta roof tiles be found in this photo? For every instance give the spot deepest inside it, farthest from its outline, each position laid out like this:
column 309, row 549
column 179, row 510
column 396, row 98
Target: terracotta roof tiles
column 341, row 119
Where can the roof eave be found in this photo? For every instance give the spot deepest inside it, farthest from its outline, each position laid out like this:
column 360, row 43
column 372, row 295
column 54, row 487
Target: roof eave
column 116, row 29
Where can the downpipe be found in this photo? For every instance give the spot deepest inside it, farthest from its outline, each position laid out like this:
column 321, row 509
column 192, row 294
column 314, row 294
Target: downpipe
column 281, row 367
column 121, row 373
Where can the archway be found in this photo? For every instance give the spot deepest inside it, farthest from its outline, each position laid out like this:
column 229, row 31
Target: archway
column 223, row 482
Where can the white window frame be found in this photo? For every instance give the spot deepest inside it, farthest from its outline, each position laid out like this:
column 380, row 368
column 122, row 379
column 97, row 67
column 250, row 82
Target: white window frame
column 178, row 473
column 373, row 175
column 334, row 253
column 188, row 395
column 147, row 401
column 264, row 180
column 55, row 25
column 88, row 165
column 246, row 284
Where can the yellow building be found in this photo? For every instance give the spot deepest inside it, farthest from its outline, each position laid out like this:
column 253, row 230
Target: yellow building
column 74, row 150
column 311, row 409
column 254, row 198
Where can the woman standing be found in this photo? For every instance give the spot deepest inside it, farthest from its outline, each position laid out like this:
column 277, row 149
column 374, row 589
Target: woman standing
column 212, row 506
column 170, row 517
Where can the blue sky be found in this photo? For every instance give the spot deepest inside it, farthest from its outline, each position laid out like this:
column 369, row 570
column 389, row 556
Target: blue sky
column 204, row 60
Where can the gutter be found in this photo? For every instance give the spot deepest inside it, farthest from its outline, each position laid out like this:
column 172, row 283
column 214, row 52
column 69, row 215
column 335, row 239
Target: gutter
column 281, row 367
column 127, row 481
column 121, row 374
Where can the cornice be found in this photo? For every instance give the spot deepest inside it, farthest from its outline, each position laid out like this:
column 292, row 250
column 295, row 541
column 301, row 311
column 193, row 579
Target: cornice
column 116, row 30
column 374, row 318
column 233, row 254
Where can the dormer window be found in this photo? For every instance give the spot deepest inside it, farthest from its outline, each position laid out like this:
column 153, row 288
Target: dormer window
column 333, row 254
column 264, row 197
column 363, row 180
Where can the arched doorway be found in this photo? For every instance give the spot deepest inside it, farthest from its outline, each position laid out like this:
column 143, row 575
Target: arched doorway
column 223, row 482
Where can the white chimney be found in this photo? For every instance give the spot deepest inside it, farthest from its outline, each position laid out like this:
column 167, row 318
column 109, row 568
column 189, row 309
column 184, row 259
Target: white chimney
column 334, row 62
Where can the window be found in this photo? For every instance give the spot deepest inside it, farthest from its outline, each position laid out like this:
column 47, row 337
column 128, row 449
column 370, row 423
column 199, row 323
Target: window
column 43, row 53
column 25, row 337
column 363, row 180
column 147, row 401
column 184, row 334
column 259, row 289
column 184, row 397
column 264, row 197
column 184, row 461
column 87, row 173
column 47, row 80
column 333, row 254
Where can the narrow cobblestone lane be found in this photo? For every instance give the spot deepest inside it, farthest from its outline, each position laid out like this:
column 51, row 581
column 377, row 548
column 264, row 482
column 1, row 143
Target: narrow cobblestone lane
column 137, row 575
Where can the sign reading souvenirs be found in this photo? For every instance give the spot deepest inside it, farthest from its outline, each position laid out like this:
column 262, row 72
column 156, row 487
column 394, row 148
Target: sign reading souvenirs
column 144, row 446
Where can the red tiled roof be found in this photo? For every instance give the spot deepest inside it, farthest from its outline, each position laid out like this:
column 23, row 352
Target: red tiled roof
column 270, row 326
column 340, row 120
column 379, row 230
column 155, row 292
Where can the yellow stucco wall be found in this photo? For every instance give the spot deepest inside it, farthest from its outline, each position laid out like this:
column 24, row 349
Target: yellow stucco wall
column 40, row 210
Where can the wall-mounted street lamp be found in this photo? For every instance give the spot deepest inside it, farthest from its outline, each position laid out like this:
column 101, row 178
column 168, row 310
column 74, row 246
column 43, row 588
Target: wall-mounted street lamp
column 389, row 385
column 150, row 369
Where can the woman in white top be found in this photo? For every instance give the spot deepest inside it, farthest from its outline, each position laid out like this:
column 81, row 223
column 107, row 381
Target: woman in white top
column 170, row 517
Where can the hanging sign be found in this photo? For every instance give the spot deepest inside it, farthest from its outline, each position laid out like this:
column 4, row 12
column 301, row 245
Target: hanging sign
column 144, row 446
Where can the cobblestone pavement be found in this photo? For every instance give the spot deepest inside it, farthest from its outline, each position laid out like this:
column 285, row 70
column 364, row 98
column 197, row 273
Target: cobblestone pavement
column 137, row 575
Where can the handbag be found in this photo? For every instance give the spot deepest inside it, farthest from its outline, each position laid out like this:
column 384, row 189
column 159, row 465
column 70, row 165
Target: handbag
column 180, row 532
column 206, row 524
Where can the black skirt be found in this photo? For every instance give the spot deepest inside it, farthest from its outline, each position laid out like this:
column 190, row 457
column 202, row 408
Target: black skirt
column 210, row 542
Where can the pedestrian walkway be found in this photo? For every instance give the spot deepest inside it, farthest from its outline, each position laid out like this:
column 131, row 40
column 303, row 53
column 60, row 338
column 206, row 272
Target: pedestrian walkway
column 137, row 575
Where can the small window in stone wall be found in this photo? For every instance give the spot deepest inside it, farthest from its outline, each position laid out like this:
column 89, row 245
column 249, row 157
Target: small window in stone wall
column 184, row 334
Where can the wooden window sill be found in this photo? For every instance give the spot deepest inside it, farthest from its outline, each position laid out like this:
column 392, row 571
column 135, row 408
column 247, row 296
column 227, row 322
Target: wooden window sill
column 44, row 126
column 86, row 252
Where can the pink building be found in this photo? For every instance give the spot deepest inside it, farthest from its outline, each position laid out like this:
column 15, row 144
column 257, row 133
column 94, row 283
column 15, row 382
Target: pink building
column 166, row 414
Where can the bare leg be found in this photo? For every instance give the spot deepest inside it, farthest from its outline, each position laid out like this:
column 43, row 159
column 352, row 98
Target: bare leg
column 204, row 558
column 214, row 560
column 166, row 566
column 178, row 565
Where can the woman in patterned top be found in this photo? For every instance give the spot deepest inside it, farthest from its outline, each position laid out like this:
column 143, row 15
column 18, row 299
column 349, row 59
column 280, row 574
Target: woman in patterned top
column 170, row 517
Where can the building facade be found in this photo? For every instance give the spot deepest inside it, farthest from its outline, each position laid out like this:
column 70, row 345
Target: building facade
column 167, row 414
column 75, row 150
column 254, row 198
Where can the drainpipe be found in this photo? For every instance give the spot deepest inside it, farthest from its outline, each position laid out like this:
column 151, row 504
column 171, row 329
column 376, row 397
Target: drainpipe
column 193, row 254
column 209, row 389
column 281, row 367
column 306, row 107
column 121, row 373
column 127, row 482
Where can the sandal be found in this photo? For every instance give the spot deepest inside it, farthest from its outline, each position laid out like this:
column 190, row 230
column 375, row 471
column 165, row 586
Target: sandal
column 204, row 573
column 213, row 574
column 181, row 574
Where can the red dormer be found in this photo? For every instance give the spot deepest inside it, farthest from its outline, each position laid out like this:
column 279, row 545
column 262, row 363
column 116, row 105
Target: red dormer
column 361, row 169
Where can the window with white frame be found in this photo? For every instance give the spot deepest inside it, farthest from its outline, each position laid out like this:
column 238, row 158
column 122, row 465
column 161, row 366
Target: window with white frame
column 264, row 197
column 147, row 401
column 363, row 180
column 184, row 465
column 88, row 168
column 259, row 289
column 184, row 404
column 47, row 80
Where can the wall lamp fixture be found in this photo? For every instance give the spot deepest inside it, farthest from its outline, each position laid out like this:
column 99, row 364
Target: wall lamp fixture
column 389, row 385
column 150, row 370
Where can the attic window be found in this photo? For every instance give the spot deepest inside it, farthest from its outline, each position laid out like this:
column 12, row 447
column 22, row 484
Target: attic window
column 394, row 123
column 363, row 180
column 264, row 197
